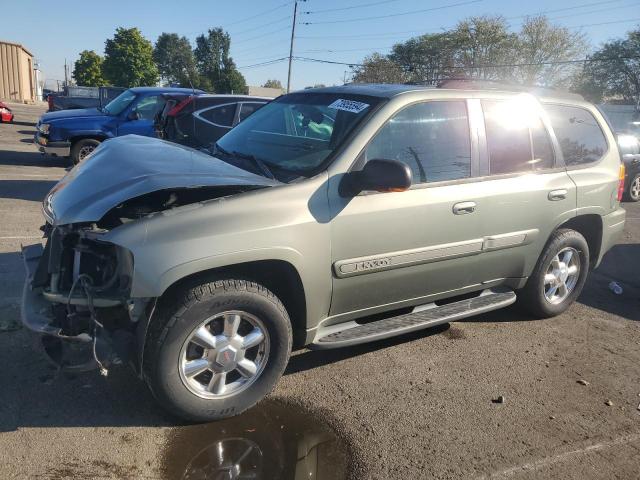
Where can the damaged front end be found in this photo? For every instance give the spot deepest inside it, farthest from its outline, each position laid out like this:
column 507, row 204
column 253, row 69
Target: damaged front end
column 77, row 297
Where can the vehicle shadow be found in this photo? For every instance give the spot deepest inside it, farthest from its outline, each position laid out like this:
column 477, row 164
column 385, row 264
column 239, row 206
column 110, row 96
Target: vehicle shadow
column 621, row 264
column 30, row 159
column 32, row 190
column 310, row 359
column 24, row 124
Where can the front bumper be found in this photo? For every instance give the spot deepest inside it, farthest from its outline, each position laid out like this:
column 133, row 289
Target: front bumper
column 612, row 228
column 35, row 312
column 58, row 149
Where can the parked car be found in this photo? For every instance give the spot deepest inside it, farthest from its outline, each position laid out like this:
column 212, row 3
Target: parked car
column 198, row 121
column 76, row 133
column 328, row 218
column 82, row 97
column 6, row 115
column 629, row 146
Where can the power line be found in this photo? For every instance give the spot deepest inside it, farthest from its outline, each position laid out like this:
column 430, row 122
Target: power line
column 245, row 40
column 528, row 64
column 261, row 64
column 361, row 5
column 564, row 9
column 596, row 11
column 606, row 23
column 280, row 20
column 260, row 14
column 452, row 5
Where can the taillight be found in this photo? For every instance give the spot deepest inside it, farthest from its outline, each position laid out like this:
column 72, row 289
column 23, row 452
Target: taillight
column 175, row 110
column 621, row 182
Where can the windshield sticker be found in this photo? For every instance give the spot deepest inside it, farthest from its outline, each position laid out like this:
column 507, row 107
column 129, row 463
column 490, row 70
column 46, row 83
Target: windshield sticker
column 349, row 105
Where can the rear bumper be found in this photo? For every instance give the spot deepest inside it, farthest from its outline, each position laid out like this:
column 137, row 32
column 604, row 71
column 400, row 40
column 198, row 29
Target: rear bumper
column 612, row 228
column 58, row 149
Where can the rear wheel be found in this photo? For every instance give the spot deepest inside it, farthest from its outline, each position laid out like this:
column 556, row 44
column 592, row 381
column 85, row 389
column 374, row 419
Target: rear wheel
column 633, row 192
column 83, row 148
column 216, row 349
column 559, row 275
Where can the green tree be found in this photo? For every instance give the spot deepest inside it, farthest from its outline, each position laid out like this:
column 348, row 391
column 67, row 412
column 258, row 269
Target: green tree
column 128, row 59
column 87, row 70
column 540, row 49
column 613, row 71
column 427, row 58
column 174, row 58
column 378, row 68
column 215, row 66
column 273, row 84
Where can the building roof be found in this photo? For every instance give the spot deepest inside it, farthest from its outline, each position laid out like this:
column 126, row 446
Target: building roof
column 17, row 45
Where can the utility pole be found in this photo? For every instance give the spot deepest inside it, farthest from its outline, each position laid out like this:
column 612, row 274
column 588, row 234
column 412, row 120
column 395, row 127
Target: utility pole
column 66, row 79
column 293, row 34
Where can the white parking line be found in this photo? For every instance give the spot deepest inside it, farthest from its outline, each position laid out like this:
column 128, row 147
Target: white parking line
column 545, row 462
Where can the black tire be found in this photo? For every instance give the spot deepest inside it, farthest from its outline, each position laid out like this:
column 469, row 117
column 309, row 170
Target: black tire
column 176, row 319
column 82, row 148
column 532, row 296
column 629, row 195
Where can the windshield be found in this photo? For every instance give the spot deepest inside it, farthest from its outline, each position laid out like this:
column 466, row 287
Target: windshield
column 297, row 132
column 118, row 104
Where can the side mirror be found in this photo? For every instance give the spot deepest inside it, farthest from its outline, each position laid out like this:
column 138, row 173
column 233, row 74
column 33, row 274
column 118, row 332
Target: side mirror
column 133, row 115
column 381, row 176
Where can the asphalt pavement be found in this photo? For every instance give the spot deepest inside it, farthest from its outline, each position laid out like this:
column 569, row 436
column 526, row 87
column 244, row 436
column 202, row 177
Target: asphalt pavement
column 424, row 405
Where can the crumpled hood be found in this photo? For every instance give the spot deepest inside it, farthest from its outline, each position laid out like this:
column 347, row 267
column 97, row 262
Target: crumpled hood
column 73, row 113
column 130, row 166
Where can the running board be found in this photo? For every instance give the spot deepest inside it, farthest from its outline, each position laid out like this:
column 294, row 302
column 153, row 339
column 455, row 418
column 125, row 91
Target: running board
column 423, row 316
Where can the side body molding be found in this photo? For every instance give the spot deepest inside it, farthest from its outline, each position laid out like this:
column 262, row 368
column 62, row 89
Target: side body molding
column 388, row 261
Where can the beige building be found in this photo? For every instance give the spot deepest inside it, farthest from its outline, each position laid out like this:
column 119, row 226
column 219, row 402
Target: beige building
column 17, row 82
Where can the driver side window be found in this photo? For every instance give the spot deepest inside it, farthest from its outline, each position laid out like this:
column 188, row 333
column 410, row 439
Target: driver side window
column 147, row 107
column 432, row 138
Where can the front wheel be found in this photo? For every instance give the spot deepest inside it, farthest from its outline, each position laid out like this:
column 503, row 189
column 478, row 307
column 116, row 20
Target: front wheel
column 216, row 349
column 82, row 149
column 559, row 275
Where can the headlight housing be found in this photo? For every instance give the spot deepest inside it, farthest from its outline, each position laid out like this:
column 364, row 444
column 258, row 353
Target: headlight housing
column 44, row 128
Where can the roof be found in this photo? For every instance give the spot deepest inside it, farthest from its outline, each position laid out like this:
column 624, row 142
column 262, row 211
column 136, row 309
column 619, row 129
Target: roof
column 383, row 90
column 17, row 45
column 392, row 90
column 164, row 90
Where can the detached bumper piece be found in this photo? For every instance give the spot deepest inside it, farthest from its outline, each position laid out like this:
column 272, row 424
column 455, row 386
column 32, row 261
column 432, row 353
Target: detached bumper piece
column 424, row 316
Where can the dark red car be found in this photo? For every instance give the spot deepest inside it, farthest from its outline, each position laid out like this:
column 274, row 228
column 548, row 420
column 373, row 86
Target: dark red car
column 5, row 113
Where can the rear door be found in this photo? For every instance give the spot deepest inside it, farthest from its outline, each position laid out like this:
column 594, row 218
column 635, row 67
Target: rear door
column 526, row 189
column 211, row 123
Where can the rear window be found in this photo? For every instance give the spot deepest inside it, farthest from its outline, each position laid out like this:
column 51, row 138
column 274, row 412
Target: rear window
column 579, row 134
column 516, row 137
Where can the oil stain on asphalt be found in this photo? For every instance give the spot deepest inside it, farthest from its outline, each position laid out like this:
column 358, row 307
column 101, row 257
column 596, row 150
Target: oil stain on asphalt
column 271, row 441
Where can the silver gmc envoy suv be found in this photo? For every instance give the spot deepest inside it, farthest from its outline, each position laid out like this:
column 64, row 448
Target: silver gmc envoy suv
column 328, row 218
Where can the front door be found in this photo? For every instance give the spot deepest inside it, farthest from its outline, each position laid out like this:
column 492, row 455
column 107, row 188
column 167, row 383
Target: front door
column 138, row 118
column 396, row 249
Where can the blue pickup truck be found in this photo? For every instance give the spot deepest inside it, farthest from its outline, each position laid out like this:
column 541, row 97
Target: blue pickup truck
column 76, row 133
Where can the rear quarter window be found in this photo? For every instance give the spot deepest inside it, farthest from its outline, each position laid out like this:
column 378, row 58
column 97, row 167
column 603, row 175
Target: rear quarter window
column 579, row 134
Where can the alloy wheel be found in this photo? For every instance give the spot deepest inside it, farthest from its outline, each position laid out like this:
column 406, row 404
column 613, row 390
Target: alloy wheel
column 85, row 151
column 562, row 275
column 224, row 355
column 634, row 188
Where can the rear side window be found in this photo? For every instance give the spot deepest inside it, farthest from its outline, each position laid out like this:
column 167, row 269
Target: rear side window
column 432, row 138
column 579, row 134
column 516, row 137
column 222, row 115
column 247, row 109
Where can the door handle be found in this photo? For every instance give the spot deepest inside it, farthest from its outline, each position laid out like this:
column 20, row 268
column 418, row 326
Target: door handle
column 555, row 195
column 464, row 208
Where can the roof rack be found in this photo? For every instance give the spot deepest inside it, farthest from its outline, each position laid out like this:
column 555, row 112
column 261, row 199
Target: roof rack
column 475, row 83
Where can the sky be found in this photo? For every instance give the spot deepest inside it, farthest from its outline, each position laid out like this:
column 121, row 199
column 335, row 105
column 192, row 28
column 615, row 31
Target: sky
column 337, row 30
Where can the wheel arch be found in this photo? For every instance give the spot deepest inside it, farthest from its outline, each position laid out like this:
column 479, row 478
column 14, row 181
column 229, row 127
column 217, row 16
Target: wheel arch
column 279, row 276
column 590, row 227
column 100, row 137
